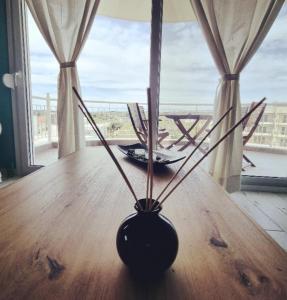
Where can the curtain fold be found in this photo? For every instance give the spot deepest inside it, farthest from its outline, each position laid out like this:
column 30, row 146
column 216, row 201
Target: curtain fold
column 234, row 30
column 65, row 26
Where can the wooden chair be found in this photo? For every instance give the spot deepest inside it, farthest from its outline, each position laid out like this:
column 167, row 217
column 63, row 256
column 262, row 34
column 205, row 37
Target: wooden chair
column 140, row 124
column 250, row 125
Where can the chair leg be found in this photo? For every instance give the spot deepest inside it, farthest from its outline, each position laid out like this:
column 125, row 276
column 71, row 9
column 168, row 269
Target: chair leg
column 248, row 160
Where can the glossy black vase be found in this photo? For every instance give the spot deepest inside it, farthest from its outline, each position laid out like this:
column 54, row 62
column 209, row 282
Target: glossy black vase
column 147, row 242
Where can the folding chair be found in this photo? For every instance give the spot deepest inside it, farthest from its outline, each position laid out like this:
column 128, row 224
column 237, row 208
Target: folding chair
column 140, row 124
column 250, row 125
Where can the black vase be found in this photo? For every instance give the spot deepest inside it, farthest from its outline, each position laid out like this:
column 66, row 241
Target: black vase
column 147, row 242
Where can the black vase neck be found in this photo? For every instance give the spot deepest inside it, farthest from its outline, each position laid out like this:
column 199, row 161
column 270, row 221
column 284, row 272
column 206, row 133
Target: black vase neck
column 143, row 211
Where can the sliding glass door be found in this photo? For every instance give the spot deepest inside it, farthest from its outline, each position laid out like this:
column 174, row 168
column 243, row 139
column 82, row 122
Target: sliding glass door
column 265, row 161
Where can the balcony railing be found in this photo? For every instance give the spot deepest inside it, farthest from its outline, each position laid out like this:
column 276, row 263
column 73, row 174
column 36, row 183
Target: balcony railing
column 113, row 119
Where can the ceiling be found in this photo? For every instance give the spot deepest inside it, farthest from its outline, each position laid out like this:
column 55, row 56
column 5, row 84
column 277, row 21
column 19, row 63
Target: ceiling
column 140, row 10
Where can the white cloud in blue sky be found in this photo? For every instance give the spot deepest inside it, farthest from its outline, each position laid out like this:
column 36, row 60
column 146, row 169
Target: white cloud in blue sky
column 114, row 64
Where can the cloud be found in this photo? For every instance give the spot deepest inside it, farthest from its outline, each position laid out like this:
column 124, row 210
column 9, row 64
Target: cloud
column 114, row 64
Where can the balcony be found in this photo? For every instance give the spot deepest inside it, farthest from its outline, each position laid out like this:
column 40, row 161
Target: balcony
column 267, row 147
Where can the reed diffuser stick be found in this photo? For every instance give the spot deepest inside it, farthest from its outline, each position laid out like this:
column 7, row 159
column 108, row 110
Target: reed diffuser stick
column 211, row 149
column 147, row 185
column 150, row 149
column 191, row 154
column 112, row 156
column 90, row 119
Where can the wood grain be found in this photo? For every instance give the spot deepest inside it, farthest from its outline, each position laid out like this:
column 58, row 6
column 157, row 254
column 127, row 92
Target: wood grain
column 58, row 229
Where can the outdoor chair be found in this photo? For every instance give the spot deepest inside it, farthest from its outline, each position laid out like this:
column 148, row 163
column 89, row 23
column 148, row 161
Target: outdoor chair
column 249, row 127
column 145, row 119
column 140, row 124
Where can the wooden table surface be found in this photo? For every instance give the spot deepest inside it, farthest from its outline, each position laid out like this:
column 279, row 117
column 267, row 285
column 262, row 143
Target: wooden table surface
column 58, row 228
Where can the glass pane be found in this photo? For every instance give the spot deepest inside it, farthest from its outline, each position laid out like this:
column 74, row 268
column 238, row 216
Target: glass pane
column 44, row 75
column 266, row 76
column 188, row 80
column 114, row 70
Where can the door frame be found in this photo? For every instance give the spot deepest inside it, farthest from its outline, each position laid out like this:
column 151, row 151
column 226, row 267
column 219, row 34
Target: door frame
column 21, row 96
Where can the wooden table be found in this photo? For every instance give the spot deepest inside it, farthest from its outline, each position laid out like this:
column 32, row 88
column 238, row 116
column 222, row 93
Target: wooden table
column 58, row 229
column 186, row 133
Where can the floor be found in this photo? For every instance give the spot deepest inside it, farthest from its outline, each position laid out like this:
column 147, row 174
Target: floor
column 269, row 210
column 267, row 164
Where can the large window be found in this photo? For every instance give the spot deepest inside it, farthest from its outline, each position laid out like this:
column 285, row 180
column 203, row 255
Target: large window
column 114, row 69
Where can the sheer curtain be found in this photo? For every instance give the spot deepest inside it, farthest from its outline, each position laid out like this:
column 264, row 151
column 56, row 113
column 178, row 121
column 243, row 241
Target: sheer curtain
column 65, row 26
column 234, row 30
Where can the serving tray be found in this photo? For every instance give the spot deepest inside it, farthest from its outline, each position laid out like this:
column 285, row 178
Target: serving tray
column 139, row 153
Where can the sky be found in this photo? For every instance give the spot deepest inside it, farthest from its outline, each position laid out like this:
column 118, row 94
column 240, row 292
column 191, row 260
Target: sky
column 114, row 63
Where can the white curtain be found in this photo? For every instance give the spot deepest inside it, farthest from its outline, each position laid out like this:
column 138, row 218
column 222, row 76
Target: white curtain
column 65, row 26
column 234, row 30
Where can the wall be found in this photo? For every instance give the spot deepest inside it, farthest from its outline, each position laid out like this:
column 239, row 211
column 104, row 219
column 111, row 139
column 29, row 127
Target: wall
column 7, row 149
